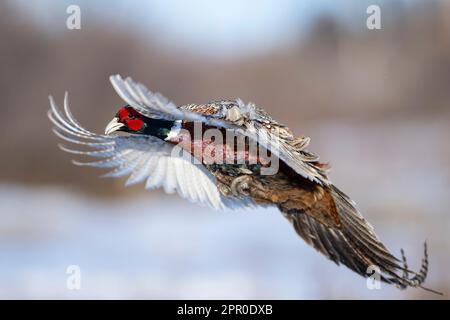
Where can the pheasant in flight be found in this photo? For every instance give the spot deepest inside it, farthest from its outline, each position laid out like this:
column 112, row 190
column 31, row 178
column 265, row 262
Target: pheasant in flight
column 165, row 146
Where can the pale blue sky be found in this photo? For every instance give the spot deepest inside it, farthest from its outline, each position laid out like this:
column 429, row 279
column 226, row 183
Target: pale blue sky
column 223, row 25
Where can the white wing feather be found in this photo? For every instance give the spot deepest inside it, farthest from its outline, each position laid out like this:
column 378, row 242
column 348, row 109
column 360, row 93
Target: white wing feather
column 150, row 104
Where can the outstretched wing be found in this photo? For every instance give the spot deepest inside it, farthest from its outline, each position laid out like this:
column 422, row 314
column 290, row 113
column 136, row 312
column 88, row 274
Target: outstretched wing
column 346, row 237
column 243, row 119
column 144, row 158
column 151, row 104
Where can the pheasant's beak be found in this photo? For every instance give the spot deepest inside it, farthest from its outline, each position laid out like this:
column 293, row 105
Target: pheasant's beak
column 113, row 126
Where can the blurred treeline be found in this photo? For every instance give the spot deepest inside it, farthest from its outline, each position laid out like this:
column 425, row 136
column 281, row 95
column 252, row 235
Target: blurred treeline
column 337, row 72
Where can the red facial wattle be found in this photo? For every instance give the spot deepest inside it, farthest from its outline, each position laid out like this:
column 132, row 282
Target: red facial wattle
column 134, row 124
column 131, row 118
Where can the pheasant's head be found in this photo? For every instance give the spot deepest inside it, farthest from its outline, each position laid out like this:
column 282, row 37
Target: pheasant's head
column 127, row 119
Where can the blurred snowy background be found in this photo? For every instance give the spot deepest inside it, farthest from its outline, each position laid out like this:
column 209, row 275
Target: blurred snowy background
column 375, row 103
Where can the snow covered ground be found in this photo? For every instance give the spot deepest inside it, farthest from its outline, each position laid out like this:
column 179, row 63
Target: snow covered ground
column 160, row 248
column 157, row 246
